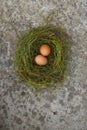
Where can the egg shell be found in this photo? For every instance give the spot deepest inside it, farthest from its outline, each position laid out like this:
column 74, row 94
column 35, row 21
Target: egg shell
column 45, row 50
column 41, row 60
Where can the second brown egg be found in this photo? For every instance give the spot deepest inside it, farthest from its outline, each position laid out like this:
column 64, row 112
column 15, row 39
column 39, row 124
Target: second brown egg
column 41, row 60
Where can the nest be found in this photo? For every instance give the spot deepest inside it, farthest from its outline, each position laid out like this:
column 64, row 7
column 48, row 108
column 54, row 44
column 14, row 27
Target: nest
column 28, row 47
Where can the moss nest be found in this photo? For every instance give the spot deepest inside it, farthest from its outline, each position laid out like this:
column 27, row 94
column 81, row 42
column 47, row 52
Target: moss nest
column 28, row 47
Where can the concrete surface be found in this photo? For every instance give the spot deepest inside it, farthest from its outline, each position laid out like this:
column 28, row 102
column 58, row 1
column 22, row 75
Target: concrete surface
column 64, row 109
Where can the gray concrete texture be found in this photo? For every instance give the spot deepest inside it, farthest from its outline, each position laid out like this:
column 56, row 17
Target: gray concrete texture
column 61, row 109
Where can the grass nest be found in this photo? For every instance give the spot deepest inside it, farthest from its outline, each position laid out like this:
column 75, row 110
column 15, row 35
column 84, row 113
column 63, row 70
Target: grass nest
column 28, row 47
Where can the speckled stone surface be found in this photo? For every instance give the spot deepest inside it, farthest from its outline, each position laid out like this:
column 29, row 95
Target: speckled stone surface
column 64, row 109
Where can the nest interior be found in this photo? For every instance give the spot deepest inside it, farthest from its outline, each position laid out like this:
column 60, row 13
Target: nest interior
column 28, row 47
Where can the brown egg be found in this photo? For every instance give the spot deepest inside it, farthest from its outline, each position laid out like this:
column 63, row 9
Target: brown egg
column 45, row 50
column 41, row 60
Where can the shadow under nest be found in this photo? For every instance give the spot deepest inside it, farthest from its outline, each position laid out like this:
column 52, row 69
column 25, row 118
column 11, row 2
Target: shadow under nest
column 28, row 47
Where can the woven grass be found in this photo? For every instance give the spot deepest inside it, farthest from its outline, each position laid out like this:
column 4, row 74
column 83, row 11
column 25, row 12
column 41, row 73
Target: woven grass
column 28, row 47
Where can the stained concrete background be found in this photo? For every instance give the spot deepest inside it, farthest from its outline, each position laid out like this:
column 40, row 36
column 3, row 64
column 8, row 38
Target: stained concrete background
column 64, row 109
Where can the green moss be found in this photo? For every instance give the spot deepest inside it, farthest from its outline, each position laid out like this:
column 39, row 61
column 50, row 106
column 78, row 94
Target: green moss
column 28, row 47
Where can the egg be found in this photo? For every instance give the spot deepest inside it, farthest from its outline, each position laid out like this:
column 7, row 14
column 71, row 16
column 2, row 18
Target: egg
column 41, row 60
column 45, row 50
